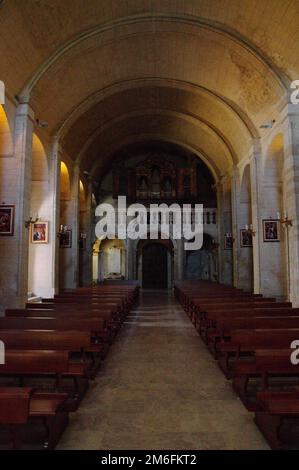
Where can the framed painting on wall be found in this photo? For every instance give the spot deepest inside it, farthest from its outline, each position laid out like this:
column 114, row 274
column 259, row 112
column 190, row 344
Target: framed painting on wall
column 245, row 238
column 7, row 214
column 66, row 239
column 271, row 230
column 40, row 232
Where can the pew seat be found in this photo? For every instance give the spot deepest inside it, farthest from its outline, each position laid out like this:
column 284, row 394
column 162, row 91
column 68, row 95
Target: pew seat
column 269, row 369
column 46, row 369
column 278, row 418
column 22, row 411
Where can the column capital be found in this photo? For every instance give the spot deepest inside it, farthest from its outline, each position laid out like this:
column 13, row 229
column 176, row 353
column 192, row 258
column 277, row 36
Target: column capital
column 24, row 109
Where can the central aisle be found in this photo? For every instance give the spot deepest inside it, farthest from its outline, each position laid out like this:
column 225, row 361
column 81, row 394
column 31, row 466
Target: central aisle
column 159, row 388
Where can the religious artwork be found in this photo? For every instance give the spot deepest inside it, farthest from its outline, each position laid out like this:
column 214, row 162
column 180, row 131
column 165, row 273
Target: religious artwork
column 7, row 219
column 271, row 230
column 66, row 239
column 228, row 241
column 39, row 232
column 245, row 238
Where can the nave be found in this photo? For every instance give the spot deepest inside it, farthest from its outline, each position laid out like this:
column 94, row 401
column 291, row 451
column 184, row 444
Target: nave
column 159, row 388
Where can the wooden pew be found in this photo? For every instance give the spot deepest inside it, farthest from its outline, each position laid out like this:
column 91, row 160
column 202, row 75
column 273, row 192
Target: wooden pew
column 20, row 406
column 67, row 375
column 203, row 310
column 277, row 416
column 267, row 365
column 224, row 326
column 78, row 343
column 209, row 318
column 72, row 325
column 243, row 343
column 96, row 326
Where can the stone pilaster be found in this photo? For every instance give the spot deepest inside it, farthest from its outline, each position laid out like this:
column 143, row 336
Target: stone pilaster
column 290, row 125
column 75, row 217
column 86, row 255
column 241, row 216
column 256, row 201
column 54, row 187
column 24, row 123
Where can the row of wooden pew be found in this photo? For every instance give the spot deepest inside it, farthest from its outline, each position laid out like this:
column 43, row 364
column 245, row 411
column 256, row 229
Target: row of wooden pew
column 52, row 350
column 251, row 336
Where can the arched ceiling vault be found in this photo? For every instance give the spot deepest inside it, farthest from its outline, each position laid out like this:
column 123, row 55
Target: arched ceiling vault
column 98, row 171
column 190, row 132
column 199, row 73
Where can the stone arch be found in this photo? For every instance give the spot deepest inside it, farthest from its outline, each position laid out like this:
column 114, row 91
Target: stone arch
column 111, row 259
column 245, row 239
column 202, row 263
column 40, row 255
column 66, row 220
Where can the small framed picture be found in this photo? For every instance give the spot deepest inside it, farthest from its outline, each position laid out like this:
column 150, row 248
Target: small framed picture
column 228, row 241
column 40, row 232
column 7, row 215
column 271, row 230
column 245, row 238
column 66, row 239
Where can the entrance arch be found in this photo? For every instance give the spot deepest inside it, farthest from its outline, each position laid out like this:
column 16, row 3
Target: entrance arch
column 202, row 264
column 155, row 258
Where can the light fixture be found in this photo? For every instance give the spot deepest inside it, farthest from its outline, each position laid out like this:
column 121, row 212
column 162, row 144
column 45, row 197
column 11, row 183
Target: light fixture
column 267, row 124
column 31, row 221
column 41, row 123
column 63, row 229
column 285, row 221
column 249, row 230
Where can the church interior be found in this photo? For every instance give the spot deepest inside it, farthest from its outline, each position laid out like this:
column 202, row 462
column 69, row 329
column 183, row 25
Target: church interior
column 130, row 344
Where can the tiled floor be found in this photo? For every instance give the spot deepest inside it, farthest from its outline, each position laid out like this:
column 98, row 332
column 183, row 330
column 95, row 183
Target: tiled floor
column 159, row 388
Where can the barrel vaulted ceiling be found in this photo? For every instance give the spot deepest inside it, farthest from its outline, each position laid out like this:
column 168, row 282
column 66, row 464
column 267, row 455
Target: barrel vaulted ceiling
column 203, row 74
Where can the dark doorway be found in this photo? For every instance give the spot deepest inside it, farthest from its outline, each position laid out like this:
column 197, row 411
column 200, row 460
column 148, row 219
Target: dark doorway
column 154, row 266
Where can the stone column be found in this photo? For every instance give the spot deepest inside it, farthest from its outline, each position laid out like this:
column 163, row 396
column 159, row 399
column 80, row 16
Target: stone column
column 87, row 254
column 54, row 187
column 256, row 203
column 235, row 183
column 23, row 169
column 224, row 226
column 290, row 126
column 74, row 217
column 179, row 261
column 220, row 230
column 241, row 216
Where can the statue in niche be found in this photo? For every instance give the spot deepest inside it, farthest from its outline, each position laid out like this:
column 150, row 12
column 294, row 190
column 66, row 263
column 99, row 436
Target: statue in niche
column 155, row 182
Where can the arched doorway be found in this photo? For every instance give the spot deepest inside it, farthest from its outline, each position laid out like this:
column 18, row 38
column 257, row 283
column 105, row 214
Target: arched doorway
column 155, row 266
column 155, row 263
column 202, row 264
